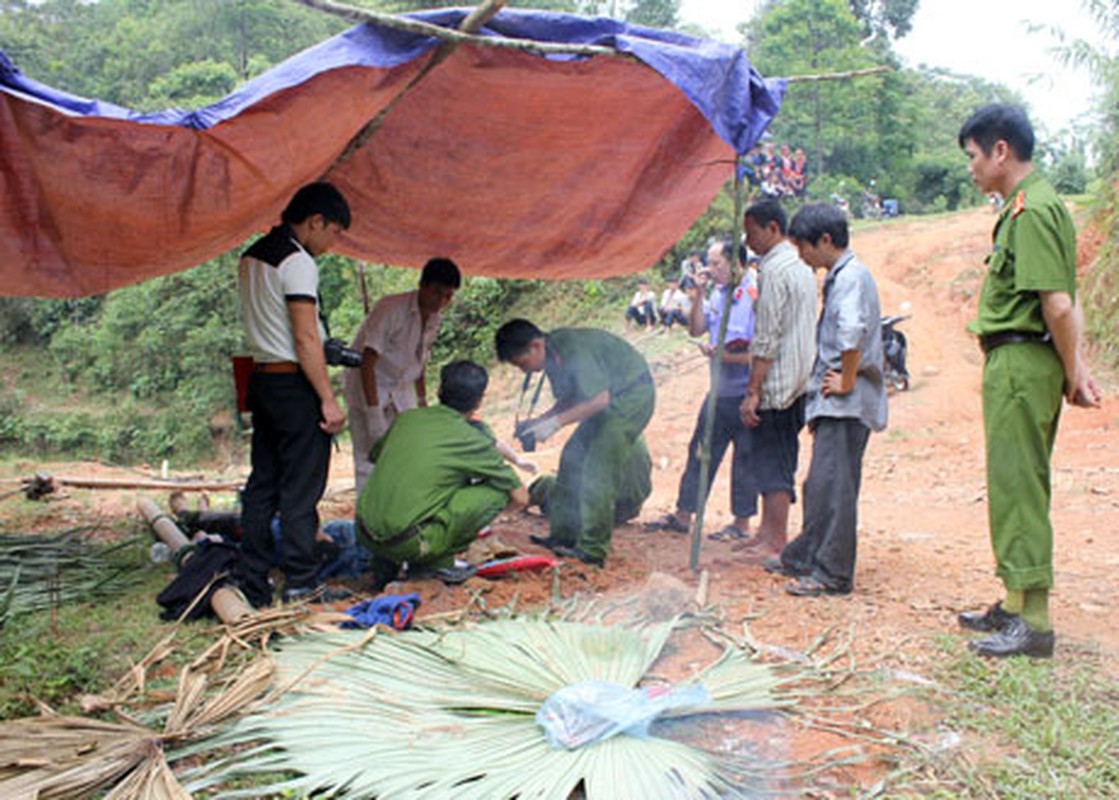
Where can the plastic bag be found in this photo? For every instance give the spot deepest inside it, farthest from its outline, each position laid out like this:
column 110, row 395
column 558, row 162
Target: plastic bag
column 592, row 711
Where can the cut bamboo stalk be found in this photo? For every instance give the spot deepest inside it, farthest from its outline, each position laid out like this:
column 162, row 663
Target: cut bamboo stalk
column 125, row 483
column 227, row 601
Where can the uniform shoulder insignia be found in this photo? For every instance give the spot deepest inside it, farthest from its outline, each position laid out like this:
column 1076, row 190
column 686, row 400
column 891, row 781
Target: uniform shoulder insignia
column 1019, row 203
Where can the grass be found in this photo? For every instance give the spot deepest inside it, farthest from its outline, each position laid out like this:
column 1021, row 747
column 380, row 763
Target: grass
column 57, row 655
column 1030, row 729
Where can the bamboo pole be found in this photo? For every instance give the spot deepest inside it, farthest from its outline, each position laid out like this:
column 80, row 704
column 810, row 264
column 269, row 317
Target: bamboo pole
column 705, row 476
column 124, row 483
column 226, row 601
column 473, row 21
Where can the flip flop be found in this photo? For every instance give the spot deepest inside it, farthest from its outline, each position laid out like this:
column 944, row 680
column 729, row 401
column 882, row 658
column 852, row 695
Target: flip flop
column 729, row 533
column 776, row 566
column 666, row 523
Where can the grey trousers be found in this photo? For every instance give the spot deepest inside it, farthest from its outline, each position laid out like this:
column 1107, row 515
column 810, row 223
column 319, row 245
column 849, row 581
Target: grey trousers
column 826, row 546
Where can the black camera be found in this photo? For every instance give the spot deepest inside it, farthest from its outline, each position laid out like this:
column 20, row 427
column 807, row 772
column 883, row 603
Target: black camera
column 338, row 355
column 687, row 283
column 526, row 437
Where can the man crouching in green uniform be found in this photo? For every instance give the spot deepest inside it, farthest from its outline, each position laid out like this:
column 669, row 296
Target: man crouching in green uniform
column 1029, row 328
column 439, row 480
column 603, row 386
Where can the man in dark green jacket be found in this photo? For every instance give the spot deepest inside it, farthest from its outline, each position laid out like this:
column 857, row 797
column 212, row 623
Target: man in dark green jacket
column 603, row 386
column 439, row 480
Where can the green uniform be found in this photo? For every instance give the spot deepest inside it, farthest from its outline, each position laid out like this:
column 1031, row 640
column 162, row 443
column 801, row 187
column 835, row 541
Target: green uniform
column 1034, row 251
column 439, row 480
column 604, row 471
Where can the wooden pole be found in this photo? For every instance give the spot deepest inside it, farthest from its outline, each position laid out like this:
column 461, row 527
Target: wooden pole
column 226, row 601
column 475, row 20
column 705, row 476
column 115, row 483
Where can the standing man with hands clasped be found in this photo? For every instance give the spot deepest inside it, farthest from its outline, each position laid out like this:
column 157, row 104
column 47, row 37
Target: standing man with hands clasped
column 846, row 401
column 295, row 413
column 1029, row 327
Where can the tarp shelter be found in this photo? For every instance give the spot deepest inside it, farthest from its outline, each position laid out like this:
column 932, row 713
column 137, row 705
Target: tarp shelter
column 516, row 164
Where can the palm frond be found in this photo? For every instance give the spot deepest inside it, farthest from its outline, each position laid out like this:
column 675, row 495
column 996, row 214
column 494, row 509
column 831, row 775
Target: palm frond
column 450, row 713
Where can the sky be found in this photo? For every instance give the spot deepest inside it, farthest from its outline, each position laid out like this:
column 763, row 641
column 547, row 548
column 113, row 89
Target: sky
column 956, row 34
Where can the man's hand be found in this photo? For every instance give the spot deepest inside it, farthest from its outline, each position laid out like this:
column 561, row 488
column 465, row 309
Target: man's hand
column 542, row 428
column 1083, row 393
column 833, row 384
column 749, row 409
column 333, row 420
column 527, row 466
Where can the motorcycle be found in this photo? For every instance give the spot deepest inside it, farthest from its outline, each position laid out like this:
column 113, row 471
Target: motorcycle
column 894, row 347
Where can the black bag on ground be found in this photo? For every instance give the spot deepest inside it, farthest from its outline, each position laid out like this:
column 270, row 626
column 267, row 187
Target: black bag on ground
column 210, row 559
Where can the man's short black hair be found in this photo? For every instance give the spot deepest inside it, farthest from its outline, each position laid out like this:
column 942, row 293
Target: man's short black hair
column 462, row 384
column 442, row 271
column 816, row 219
column 514, row 337
column 317, row 198
column 764, row 212
column 726, row 247
column 1000, row 121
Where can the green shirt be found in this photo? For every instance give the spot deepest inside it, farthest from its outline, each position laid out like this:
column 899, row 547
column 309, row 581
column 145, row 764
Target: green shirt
column 583, row 362
column 1034, row 251
column 427, row 455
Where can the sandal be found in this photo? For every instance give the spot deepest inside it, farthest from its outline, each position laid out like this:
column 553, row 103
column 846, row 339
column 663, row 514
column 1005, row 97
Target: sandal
column 729, row 533
column 668, row 522
column 807, row 586
column 775, row 566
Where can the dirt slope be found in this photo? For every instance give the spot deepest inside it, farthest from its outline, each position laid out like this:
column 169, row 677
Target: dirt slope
column 923, row 551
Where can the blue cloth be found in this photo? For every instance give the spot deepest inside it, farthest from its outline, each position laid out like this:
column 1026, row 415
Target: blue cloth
column 733, row 378
column 352, row 559
column 717, row 78
column 394, row 610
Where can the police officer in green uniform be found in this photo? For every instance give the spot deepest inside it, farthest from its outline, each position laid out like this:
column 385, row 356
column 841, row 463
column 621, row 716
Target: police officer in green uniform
column 439, row 480
column 603, row 386
column 1029, row 327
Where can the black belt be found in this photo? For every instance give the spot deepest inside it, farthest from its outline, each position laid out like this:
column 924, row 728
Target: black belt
column 644, row 379
column 993, row 340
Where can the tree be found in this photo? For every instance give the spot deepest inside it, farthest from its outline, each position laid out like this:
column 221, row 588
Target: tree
column 807, row 37
column 885, row 18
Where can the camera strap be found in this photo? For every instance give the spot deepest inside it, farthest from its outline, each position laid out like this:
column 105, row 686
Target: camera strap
column 535, row 396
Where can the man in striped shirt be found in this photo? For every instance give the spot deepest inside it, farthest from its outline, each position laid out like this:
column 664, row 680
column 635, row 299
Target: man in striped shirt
column 783, row 349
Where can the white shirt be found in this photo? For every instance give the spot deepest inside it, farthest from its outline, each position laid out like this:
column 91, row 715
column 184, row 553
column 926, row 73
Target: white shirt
column 265, row 291
column 395, row 330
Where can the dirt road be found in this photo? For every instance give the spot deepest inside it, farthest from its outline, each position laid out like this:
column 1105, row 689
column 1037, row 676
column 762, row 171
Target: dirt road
column 923, row 551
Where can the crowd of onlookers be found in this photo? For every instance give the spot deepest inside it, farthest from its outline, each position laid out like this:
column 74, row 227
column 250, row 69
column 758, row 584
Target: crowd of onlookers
column 776, row 175
column 673, row 305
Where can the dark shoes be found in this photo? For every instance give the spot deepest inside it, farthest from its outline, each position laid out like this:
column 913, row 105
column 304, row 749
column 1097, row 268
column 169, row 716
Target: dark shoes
column 809, row 586
column 776, row 566
column 1016, row 638
column 449, row 575
column 579, row 553
column 669, row 522
column 545, row 541
column 315, row 594
column 989, row 621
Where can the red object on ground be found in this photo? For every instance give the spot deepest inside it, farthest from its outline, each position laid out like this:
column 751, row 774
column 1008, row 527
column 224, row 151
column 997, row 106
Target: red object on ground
column 499, row 567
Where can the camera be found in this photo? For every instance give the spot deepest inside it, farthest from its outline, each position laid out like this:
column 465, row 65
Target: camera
column 338, row 355
column 526, row 437
column 687, row 283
